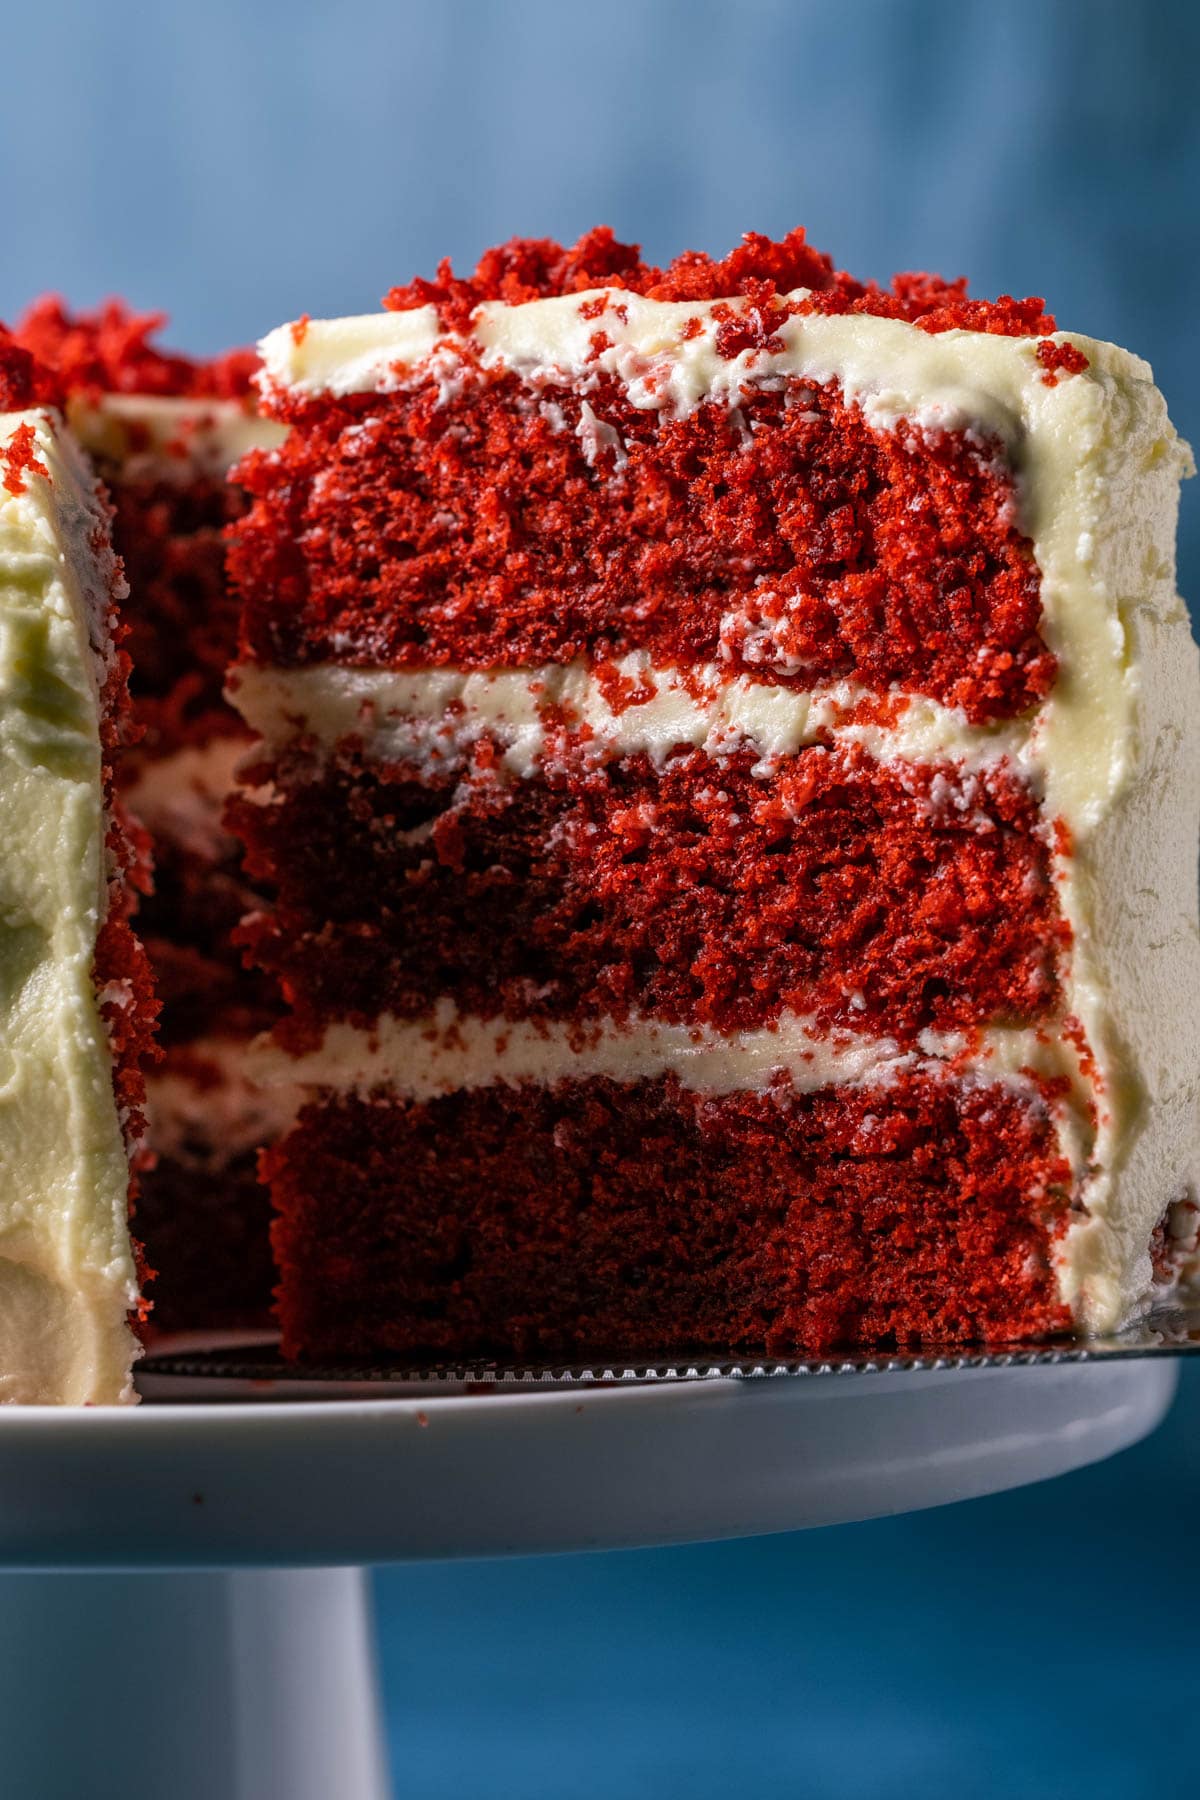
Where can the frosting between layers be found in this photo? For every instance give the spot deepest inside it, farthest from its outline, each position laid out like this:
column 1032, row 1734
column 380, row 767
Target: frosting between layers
column 180, row 797
column 418, row 1059
column 204, row 1109
column 431, row 717
column 153, row 437
column 67, row 1277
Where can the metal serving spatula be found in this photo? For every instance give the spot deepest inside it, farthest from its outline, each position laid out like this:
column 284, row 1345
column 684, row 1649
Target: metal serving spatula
column 1165, row 1331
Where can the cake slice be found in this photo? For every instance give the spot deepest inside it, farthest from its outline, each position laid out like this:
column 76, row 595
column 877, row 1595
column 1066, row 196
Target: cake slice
column 163, row 430
column 76, row 1003
column 730, row 782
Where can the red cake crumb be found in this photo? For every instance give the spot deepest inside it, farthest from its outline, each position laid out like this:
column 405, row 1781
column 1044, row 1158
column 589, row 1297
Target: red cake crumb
column 569, row 1220
column 109, row 351
column 20, row 458
column 786, row 538
column 1067, row 358
column 24, row 382
column 205, row 1220
column 535, row 268
column 886, row 898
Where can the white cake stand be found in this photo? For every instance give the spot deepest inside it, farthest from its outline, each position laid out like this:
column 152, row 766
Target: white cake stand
column 184, row 1616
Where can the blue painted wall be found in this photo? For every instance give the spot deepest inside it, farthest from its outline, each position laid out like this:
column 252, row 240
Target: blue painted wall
column 1040, row 1645
column 240, row 163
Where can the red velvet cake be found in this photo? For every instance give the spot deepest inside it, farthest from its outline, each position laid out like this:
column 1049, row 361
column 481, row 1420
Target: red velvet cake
column 729, row 786
column 162, row 431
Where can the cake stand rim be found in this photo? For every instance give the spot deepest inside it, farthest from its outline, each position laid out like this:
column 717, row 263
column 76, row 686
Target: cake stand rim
column 295, row 1484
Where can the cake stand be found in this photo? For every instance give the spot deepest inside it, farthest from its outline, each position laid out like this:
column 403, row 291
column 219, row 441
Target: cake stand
column 184, row 1612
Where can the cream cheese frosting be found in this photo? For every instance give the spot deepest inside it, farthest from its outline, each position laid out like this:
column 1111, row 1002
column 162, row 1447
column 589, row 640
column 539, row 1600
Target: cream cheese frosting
column 158, row 437
column 431, row 717
column 67, row 1276
column 180, row 797
column 1115, row 749
column 204, row 1109
column 422, row 1058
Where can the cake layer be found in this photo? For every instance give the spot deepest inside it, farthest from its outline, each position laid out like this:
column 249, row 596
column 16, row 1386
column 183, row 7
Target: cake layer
column 206, row 1229
column 166, row 461
column 75, row 1010
column 785, row 534
column 202, row 1212
column 647, row 1219
column 899, row 895
column 1087, row 454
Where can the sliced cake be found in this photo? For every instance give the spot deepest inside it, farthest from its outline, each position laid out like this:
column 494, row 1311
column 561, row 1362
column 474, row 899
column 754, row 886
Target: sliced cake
column 729, row 782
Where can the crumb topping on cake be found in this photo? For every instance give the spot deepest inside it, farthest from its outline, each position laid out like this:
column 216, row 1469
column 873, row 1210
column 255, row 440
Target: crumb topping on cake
column 1060, row 359
column 110, row 351
column 760, row 268
column 19, row 458
column 24, row 381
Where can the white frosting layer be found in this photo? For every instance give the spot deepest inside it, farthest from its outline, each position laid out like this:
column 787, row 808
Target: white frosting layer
column 180, row 797
column 67, row 1276
column 422, row 1058
column 1115, row 750
column 431, row 717
column 152, row 437
column 206, row 1119
column 884, row 364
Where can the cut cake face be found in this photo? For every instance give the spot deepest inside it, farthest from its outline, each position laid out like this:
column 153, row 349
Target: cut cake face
column 730, row 783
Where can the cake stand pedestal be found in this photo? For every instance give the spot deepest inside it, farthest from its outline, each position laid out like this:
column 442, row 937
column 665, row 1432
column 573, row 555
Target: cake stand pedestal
column 180, row 1622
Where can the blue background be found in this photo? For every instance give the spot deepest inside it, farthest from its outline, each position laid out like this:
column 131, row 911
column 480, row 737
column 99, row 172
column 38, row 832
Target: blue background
column 237, row 164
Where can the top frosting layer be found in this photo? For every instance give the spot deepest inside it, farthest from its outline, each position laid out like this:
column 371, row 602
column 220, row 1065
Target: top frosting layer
column 669, row 355
column 159, row 437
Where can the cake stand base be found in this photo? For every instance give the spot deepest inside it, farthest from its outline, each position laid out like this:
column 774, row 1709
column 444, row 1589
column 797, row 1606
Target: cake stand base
column 258, row 1684
column 251, row 1685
